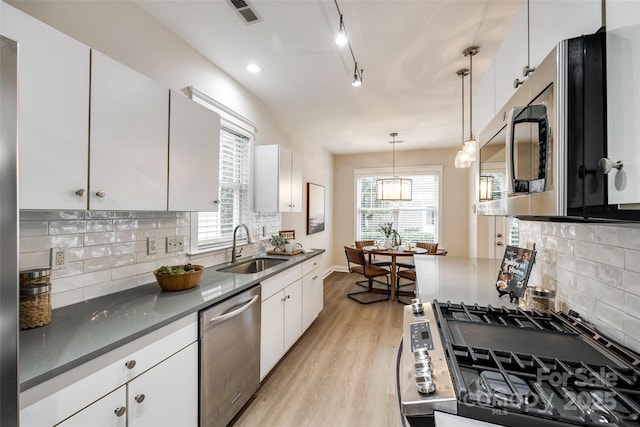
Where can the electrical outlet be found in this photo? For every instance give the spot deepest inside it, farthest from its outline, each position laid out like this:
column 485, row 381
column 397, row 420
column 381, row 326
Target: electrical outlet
column 175, row 244
column 59, row 258
column 152, row 245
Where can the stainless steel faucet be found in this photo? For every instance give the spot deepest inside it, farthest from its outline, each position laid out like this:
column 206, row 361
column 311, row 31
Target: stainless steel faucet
column 234, row 256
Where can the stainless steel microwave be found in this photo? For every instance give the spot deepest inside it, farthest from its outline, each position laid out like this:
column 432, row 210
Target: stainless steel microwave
column 542, row 149
column 523, row 147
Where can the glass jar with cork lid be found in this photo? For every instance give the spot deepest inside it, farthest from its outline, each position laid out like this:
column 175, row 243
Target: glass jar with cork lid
column 35, row 298
column 538, row 299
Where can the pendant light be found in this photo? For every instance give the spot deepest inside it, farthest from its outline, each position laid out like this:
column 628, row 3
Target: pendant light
column 394, row 189
column 470, row 145
column 462, row 160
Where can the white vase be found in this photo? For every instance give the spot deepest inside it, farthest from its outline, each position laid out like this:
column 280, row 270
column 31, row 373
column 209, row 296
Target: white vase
column 388, row 243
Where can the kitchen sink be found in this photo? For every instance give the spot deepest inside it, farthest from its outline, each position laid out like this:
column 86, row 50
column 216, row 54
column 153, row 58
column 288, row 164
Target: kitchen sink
column 250, row 266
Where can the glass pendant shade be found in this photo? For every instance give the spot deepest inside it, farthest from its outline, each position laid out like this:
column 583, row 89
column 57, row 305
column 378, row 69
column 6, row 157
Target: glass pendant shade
column 462, row 161
column 470, row 148
column 394, row 189
column 486, row 188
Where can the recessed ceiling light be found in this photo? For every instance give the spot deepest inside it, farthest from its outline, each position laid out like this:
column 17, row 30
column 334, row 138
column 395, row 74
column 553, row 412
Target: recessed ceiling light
column 253, row 68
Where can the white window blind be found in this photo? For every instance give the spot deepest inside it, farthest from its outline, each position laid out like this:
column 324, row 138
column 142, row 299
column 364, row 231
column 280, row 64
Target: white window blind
column 415, row 220
column 216, row 228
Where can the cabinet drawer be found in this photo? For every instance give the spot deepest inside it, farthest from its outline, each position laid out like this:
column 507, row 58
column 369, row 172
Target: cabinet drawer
column 274, row 284
column 66, row 394
column 311, row 264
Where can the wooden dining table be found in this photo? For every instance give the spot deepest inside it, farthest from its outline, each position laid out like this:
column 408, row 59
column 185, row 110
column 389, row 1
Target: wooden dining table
column 393, row 254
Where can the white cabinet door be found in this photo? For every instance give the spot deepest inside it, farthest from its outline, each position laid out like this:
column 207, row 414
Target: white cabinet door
column 128, row 138
column 194, row 151
column 484, row 105
column 551, row 21
column 296, row 184
column 312, row 289
column 284, row 180
column 292, row 314
column 511, row 57
column 167, row 394
column 277, row 180
column 271, row 332
column 623, row 92
column 109, row 411
column 54, row 113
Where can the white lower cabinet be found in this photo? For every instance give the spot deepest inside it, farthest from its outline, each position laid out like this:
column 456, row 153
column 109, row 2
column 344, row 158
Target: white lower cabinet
column 281, row 324
column 110, row 411
column 312, row 290
column 107, row 391
column 291, row 301
column 167, row 394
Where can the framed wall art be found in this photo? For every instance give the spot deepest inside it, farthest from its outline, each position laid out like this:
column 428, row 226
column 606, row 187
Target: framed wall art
column 315, row 208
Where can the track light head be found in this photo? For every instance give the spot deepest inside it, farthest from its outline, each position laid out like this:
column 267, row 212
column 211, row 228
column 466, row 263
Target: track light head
column 341, row 37
column 357, row 76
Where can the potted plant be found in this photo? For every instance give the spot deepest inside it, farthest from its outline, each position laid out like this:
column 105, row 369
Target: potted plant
column 278, row 242
column 392, row 238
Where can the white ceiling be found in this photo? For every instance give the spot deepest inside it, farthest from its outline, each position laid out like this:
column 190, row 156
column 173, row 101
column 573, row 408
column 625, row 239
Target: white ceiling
column 410, row 51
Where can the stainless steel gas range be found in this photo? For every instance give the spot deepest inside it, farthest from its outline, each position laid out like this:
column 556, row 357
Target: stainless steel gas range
column 511, row 367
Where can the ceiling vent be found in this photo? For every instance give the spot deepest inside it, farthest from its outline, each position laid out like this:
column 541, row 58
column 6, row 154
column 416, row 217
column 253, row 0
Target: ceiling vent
column 244, row 9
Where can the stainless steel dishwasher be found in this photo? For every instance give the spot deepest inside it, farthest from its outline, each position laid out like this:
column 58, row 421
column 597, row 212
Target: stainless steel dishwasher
column 229, row 357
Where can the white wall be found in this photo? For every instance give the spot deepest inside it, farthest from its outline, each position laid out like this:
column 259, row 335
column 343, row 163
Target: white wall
column 595, row 269
column 123, row 31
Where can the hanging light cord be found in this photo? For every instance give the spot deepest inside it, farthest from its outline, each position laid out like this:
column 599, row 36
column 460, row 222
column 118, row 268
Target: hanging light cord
column 462, row 73
column 360, row 72
column 470, row 52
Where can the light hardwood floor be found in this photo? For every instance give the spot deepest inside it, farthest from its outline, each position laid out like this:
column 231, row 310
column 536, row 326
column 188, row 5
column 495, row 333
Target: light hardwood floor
column 341, row 372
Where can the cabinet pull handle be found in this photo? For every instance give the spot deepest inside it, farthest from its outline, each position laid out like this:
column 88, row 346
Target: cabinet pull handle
column 517, row 83
column 130, row 364
column 499, row 235
column 499, row 244
column 139, row 398
column 216, row 202
column 101, row 193
column 81, row 192
column 605, row 165
column 120, row 411
column 527, row 70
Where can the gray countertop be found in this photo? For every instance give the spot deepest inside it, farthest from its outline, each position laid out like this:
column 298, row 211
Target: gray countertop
column 84, row 331
column 459, row 279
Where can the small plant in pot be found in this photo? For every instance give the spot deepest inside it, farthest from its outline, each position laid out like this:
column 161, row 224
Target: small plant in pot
column 392, row 238
column 278, row 242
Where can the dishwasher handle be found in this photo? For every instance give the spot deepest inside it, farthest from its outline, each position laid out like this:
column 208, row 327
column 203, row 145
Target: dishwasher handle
column 233, row 313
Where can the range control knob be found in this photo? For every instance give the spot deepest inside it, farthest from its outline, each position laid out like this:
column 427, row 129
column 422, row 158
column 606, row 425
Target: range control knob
column 423, row 366
column 425, row 383
column 421, row 354
column 416, row 307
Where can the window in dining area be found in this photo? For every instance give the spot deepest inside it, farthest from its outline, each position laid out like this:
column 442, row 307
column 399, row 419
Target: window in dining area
column 417, row 220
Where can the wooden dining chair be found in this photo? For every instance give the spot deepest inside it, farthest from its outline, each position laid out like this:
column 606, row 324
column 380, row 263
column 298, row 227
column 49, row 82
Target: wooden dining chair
column 357, row 263
column 409, row 274
column 431, row 248
column 382, row 263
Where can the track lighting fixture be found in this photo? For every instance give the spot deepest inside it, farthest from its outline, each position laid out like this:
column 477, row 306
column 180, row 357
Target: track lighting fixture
column 342, row 39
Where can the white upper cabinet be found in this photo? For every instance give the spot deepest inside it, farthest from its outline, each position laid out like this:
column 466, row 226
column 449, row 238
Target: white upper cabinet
column 277, row 180
column 538, row 27
column 54, row 113
column 484, row 103
column 551, row 21
column 128, row 138
column 194, row 151
column 510, row 58
column 623, row 92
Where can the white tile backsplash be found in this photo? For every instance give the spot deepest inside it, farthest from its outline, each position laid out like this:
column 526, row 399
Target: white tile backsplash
column 107, row 250
column 595, row 270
